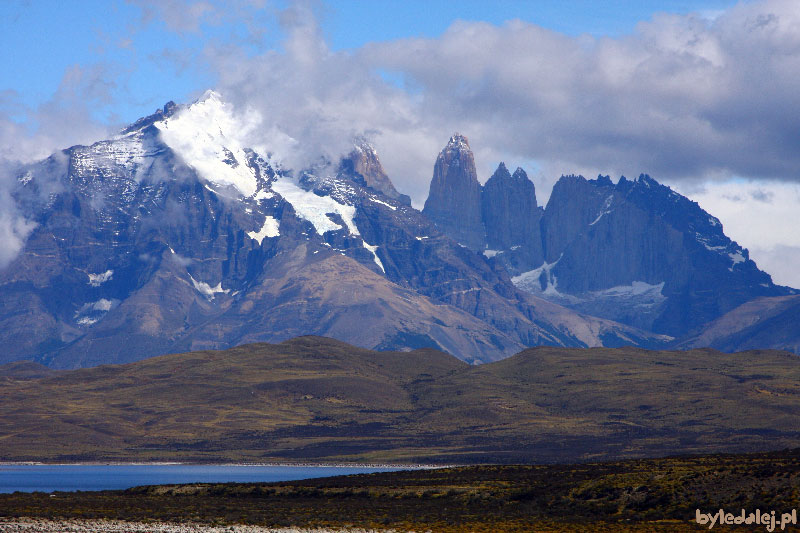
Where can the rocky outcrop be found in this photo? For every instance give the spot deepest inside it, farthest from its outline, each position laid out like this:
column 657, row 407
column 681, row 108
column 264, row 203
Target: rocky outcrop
column 454, row 200
column 512, row 218
column 635, row 252
column 642, row 254
column 363, row 166
column 574, row 204
column 144, row 245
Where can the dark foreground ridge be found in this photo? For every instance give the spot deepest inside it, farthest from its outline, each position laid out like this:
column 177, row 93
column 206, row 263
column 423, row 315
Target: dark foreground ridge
column 638, row 495
column 314, row 399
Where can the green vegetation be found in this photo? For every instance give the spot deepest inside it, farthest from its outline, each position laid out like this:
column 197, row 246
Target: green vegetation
column 634, row 495
column 315, row 399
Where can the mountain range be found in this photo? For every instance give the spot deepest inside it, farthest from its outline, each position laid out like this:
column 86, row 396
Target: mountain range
column 176, row 235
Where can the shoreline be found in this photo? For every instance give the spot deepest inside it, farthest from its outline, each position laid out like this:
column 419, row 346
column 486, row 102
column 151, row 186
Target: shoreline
column 398, row 466
column 101, row 525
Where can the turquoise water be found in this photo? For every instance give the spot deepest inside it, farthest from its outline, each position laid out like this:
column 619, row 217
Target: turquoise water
column 50, row 478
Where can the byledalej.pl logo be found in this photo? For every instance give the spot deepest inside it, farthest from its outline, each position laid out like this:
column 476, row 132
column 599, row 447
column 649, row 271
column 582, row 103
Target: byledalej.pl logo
column 767, row 519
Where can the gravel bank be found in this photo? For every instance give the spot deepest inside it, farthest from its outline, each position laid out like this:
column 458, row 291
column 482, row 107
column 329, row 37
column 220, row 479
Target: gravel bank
column 31, row 525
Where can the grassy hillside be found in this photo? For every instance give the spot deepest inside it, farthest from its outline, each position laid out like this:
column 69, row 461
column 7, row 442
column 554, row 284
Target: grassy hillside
column 322, row 400
column 634, row 495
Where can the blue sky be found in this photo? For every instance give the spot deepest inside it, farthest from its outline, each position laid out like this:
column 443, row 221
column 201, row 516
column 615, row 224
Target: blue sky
column 149, row 63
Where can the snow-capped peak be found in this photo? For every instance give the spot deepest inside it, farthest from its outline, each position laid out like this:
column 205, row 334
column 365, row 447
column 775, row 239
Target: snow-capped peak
column 207, row 135
column 212, row 95
column 458, row 142
column 361, row 144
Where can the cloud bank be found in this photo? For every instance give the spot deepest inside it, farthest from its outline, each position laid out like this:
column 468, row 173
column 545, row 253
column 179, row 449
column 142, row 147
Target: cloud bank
column 683, row 98
column 764, row 217
column 690, row 99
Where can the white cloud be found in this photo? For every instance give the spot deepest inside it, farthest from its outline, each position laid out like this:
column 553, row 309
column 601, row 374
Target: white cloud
column 686, row 97
column 761, row 216
column 178, row 15
column 689, row 99
column 64, row 120
column 14, row 227
column 683, row 98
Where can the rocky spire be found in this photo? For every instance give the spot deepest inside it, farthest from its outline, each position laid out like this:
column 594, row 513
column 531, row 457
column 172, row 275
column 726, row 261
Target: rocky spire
column 574, row 204
column 511, row 216
column 454, row 200
column 366, row 168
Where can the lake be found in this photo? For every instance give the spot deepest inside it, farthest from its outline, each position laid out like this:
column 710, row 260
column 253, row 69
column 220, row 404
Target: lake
column 50, row 478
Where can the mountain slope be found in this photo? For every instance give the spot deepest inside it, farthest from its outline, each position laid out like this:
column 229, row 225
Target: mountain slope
column 764, row 322
column 646, row 233
column 635, row 252
column 639, row 253
column 175, row 236
column 312, row 398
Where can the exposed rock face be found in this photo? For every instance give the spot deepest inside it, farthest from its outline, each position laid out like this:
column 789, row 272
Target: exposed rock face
column 364, row 167
column 454, row 200
column 150, row 244
column 642, row 254
column 512, row 218
column 635, row 252
column 574, row 204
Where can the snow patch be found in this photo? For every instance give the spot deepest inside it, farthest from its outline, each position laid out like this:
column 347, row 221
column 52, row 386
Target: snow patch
column 207, row 290
column 263, row 195
column 375, row 200
column 204, row 135
column 636, row 288
column 95, row 280
column 268, row 229
column 530, row 281
column 102, row 305
column 91, row 313
column 127, row 152
column 315, row 209
column 375, row 257
column 604, row 210
column 737, row 258
column 491, row 253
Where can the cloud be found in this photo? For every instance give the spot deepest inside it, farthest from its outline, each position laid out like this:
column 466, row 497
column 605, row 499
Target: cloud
column 684, row 98
column 179, row 16
column 14, row 227
column 14, row 230
column 73, row 115
column 27, row 135
column 780, row 261
column 312, row 101
column 761, row 216
column 762, row 196
column 690, row 99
